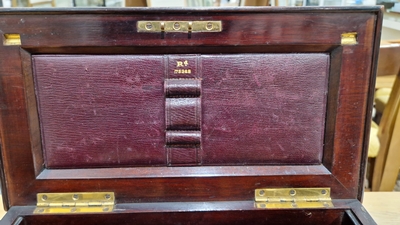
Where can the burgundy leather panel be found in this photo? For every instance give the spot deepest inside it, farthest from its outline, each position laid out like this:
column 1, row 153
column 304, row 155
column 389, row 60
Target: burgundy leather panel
column 98, row 111
column 182, row 88
column 102, row 111
column 183, row 113
column 263, row 108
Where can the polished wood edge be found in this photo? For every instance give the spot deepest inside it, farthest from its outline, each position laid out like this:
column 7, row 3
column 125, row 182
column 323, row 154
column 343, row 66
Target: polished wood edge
column 340, row 205
column 331, row 105
column 32, row 111
column 113, row 50
column 361, row 213
column 15, row 212
column 370, row 103
column 180, row 172
column 4, row 189
column 150, row 10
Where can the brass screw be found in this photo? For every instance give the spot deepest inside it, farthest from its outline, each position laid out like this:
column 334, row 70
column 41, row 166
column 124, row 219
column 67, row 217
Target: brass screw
column 107, row 196
column 44, row 197
column 177, row 26
column 73, row 210
column 262, row 192
column 262, row 205
column 40, row 210
column 105, row 209
column 292, row 192
column 149, row 26
column 209, row 26
column 323, row 192
column 75, row 196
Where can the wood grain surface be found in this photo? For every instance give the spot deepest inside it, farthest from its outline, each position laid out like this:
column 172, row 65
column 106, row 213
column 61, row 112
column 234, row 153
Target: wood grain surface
column 383, row 207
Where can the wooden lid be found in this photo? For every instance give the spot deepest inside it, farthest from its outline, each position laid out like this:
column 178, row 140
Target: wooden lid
column 292, row 46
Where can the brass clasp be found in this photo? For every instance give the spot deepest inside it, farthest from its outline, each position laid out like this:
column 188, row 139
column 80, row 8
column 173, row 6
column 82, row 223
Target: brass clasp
column 179, row 26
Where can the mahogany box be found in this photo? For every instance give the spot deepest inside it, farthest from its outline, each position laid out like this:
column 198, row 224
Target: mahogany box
column 186, row 116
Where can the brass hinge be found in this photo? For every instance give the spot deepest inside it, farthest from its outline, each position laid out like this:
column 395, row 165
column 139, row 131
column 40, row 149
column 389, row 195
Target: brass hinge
column 283, row 198
column 179, row 26
column 83, row 202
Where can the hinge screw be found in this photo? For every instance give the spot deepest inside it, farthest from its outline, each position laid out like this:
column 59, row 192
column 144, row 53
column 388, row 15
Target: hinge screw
column 40, row 210
column 107, row 196
column 105, row 209
column 262, row 192
column 209, row 26
column 73, row 210
column 44, row 197
column 292, row 192
column 323, row 192
column 75, row 197
column 149, row 26
column 176, row 26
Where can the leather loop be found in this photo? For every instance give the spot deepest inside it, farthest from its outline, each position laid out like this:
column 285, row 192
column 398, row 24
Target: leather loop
column 183, row 137
column 182, row 87
column 183, row 113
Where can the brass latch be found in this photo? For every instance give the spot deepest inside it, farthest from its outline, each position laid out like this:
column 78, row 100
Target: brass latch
column 84, row 202
column 179, row 26
column 284, row 198
column 11, row 39
column 349, row 38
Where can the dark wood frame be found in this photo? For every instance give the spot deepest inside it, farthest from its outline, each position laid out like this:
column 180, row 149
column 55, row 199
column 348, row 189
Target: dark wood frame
column 48, row 31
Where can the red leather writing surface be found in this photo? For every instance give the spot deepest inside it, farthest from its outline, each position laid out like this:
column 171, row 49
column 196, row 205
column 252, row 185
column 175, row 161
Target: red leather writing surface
column 263, row 108
column 102, row 111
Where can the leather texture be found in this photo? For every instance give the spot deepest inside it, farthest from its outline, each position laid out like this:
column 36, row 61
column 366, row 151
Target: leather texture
column 183, row 113
column 183, row 66
column 98, row 111
column 183, row 156
column 183, row 137
column 182, row 87
column 263, row 108
column 181, row 110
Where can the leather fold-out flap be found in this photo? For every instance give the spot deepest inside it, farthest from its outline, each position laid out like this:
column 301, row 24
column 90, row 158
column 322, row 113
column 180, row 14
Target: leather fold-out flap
column 183, row 113
column 183, row 137
column 182, row 88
